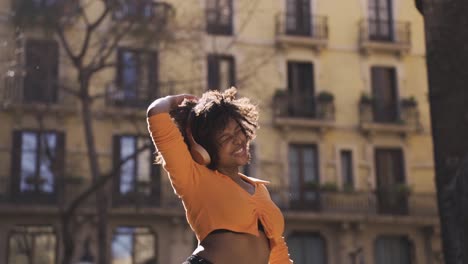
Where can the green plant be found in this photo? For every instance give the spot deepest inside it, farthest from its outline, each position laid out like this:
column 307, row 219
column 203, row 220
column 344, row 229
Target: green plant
column 403, row 188
column 329, row 187
column 280, row 93
column 365, row 98
column 314, row 185
column 409, row 102
column 348, row 188
column 325, row 96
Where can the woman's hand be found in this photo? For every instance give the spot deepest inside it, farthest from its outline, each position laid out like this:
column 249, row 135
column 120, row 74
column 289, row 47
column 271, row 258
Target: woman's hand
column 168, row 103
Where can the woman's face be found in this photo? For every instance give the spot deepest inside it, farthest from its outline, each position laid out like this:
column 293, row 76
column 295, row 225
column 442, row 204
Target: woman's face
column 233, row 147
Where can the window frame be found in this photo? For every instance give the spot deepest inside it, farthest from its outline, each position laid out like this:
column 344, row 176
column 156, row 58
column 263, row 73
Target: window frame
column 305, row 234
column 215, row 27
column 53, row 232
column 150, row 231
column 36, row 196
column 141, row 95
column 41, row 49
column 136, row 196
column 301, row 89
column 302, row 203
column 214, row 71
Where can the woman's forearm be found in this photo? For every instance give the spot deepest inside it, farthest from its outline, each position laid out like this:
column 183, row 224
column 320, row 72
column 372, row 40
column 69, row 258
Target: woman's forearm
column 168, row 103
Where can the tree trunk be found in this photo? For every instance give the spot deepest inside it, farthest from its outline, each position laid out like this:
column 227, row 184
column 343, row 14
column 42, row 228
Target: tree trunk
column 101, row 196
column 446, row 22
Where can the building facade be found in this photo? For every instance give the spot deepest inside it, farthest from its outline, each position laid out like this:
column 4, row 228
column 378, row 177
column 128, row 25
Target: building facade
column 344, row 140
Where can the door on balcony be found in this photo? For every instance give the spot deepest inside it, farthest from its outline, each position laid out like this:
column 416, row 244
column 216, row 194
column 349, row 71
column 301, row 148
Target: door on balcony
column 392, row 197
column 301, row 91
column 380, row 20
column 304, row 177
column 298, row 18
column 384, row 91
column 41, row 81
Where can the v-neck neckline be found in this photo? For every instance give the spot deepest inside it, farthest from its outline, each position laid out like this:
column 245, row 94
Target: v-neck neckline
column 245, row 179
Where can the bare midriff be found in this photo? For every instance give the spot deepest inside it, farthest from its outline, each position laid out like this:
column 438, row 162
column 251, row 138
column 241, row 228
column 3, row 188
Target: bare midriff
column 226, row 247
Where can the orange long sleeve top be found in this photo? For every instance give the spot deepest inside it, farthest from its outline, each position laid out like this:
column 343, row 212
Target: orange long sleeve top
column 212, row 200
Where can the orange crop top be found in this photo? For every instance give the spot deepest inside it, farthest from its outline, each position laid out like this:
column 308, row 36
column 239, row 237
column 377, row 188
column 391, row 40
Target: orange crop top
column 212, row 200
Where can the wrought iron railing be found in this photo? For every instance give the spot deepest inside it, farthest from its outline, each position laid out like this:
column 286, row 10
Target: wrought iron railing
column 311, row 25
column 357, row 202
column 386, row 31
column 301, row 106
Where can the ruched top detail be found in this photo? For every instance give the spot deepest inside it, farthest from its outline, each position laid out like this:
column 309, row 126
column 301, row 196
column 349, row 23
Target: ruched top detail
column 212, row 200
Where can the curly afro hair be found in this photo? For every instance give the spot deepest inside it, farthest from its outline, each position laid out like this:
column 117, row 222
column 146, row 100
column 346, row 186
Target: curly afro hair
column 210, row 116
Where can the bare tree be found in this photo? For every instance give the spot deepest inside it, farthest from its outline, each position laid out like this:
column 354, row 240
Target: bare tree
column 89, row 33
column 447, row 60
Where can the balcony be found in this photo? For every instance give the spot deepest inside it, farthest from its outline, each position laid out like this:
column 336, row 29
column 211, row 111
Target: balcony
column 356, row 204
column 300, row 111
column 310, row 31
column 401, row 118
column 384, row 36
column 16, row 96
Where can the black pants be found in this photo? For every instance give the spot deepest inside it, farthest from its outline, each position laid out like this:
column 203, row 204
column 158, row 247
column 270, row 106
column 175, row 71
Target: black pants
column 194, row 259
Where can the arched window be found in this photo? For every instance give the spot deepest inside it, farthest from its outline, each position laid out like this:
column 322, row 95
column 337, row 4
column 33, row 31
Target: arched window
column 307, row 248
column 392, row 249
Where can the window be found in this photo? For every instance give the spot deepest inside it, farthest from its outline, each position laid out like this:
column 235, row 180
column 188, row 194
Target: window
column 134, row 9
column 347, row 175
column 137, row 77
column 303, row 176
column 45, row 3
column 393, row 249
column 219, row 17
column 384, row 91
column 41, row 80
column 380, row 20
column 298, row 18
column 138, row 180
column 307, row 248
column 390, row 176
column 133, row 245
column 32, row 245
column 221, row 72
column 37, row 164
column 301, row 101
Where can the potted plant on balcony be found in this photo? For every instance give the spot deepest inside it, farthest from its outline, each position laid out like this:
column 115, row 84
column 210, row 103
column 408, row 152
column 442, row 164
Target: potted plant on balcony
column 409, row 112
column 280, row 102
column 329, row 187
column 365, row 107
column 403, row 189
column 312, row 185
column 325, row 107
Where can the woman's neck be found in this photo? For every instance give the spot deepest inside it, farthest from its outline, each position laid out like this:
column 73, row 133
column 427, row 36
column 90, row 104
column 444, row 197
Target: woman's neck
column 231, row 172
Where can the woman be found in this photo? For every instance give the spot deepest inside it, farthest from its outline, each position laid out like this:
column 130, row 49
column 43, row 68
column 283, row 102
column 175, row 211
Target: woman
column 232, row 215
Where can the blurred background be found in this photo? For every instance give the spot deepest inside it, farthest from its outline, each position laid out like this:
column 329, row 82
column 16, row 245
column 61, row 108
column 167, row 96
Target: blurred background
column 345, row 136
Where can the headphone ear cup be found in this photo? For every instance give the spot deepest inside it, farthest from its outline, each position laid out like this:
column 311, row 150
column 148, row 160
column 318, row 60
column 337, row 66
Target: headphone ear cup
column 199, row 154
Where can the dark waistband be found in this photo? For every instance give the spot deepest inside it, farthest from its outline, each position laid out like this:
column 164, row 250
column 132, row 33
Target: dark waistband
column 195, row 259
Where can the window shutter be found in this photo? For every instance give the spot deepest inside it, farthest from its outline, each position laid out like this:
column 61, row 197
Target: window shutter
column 232, row 71
column 60, row 158
column 213, row 72
column 16, row 162
column 116, row 167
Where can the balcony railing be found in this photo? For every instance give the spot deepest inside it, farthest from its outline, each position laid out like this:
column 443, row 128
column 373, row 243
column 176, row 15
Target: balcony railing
column 384, row 35
column 400, row 117
column 309, row 30
column 357, row 203
column 301, row 110
column 16, row 94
